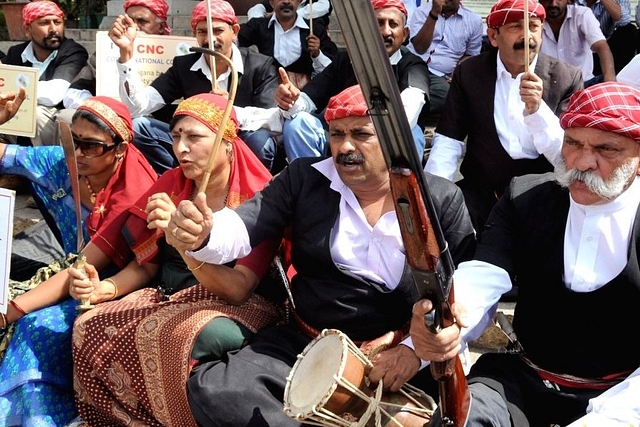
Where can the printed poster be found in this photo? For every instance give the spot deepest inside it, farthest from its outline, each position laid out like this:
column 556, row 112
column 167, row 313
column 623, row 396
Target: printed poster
column 12, row 78
column 153, row 55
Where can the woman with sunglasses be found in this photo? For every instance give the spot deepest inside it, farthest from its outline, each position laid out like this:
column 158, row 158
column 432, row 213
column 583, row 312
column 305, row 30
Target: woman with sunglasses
column 36, row 372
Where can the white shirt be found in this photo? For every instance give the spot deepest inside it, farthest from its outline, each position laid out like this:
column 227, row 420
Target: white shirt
column 372, row 252
column 413, row 99
column 287, row 48
column 523, row 136
column 50, row 92
column 143, row 100
column 599, row 253
column 454, row 37
column 579, row 31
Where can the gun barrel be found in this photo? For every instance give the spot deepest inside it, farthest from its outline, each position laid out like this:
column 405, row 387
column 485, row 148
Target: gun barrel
column 377, row 80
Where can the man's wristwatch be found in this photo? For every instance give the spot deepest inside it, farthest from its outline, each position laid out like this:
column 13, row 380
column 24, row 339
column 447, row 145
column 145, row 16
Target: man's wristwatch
column 432, row 16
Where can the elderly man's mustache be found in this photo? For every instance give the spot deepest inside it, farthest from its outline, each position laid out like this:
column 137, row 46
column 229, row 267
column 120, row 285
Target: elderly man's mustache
column 520, row 45
column 388, row 40
column 349, row 159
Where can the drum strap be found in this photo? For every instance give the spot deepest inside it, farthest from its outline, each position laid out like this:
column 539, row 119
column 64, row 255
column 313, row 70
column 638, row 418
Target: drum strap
column 390, row 339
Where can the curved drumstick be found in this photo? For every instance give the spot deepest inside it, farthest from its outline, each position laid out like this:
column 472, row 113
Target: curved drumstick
column 214, row 73
column 225, row 116
column 526, row 36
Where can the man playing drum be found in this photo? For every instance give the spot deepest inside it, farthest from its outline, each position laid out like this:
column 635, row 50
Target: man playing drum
column 350, row 262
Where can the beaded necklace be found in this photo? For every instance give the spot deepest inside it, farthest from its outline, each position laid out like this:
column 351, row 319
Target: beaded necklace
column 93, row 193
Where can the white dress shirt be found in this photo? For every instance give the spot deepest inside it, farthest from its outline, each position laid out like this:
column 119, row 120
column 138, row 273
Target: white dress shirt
column 579, row 31
column 50, row 92
column 143, row 100
column 413, row 99
column 522, row 135
column 372, row 252
column 287, row 48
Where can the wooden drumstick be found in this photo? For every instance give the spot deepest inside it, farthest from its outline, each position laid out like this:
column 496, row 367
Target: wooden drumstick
column 225, row 115
column 214, row 73
column 310, row 17
column 526, row 36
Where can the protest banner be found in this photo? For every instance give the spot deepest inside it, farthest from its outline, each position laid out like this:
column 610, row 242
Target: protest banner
column 153, row 55
column 12, row 78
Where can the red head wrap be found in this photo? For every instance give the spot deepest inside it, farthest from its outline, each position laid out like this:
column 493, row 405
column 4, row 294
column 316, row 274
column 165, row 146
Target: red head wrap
column 158, row 7
column 221, row 10
column 385, row 4
column 349, row 102
column 209, row 108
column 609, row 106
column 113, row 113
column 508, row 11
column 38, row 9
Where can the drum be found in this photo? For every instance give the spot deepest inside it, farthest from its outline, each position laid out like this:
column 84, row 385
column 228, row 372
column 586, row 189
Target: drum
column 327, row 386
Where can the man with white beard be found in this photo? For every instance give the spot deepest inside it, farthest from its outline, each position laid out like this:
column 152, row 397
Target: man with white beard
column 569, row 240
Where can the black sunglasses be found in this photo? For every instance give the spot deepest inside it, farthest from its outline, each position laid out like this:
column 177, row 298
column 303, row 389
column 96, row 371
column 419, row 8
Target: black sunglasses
column 92, row 148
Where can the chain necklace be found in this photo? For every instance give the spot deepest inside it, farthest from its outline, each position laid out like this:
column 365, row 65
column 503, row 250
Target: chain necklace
column 93, row 193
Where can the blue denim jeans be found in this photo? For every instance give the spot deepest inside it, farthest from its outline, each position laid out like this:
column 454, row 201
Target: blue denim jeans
column 305, row 136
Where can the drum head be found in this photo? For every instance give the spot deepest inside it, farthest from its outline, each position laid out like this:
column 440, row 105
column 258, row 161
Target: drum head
column 312, row 381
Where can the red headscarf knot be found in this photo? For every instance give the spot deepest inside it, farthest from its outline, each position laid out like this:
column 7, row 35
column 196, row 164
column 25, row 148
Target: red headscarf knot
column 386, row 4
column 221, row 10
column 160, row 8
column 508, row 11
column 349, row 102
column 610, row 106
column 38, row 9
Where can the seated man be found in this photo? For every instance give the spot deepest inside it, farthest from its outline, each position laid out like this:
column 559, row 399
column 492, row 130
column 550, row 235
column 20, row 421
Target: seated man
column 572, row 34
column 317, row 10
column 304, row 134
column 349, row 257
column 569, row 241
column 286, row 37
column 192, row 74
column 502, row 117
column 615, row 23
column 443, row 33
column 57, row 59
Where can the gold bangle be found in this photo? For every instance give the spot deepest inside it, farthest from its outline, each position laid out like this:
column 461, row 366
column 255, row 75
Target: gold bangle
column 4, row 320
column 194, row 269
column 115, row 288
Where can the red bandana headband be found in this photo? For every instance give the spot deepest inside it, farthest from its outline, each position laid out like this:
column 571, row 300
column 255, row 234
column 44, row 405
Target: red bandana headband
column 160, row 8
column 610, row 106
column 221, row 10
column 349, row 102
column 38, row 9
column 113, row 113
column 508, row 11
column 386, row 4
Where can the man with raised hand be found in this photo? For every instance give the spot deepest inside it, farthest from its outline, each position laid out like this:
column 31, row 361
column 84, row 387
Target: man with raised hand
column 192, row 74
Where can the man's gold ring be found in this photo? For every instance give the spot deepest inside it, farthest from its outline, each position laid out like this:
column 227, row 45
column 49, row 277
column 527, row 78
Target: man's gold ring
column 175, row 232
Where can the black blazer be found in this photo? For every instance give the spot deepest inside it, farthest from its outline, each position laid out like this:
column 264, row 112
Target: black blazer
column 468, row 113
column 256, row 85
column 257, row 32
